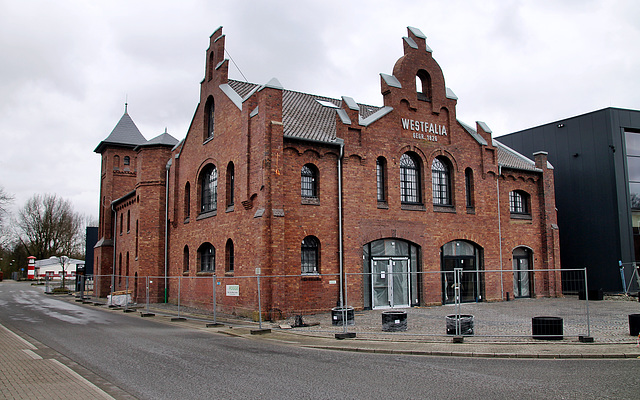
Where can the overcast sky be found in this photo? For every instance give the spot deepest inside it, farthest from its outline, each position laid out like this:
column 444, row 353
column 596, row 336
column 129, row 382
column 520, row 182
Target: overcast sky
column 68, row 66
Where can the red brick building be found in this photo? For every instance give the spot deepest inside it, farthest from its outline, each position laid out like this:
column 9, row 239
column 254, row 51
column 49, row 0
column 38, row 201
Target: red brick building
column 320, row 192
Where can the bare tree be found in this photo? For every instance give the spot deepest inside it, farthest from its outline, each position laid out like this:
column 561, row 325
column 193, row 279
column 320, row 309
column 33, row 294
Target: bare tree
column 47, row 226
column 5, row 201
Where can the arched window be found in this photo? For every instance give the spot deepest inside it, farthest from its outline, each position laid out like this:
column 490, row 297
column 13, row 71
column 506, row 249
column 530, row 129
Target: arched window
column 127, row 265
column 211, row 66
column 187, row 201
column 409, row 180
column 209, row 121
column 309, row 184
column 519, row 202
column 381, row 179
column 423, row 85
column 209, row 189
column 230, row 184
column 441, row 182
column 127, row 160
column 310, row 255
column 207, row 257
column 121, row 222
column 116, row 163
column 185, row 259
column 229, row 257
column 128, row 221
column 468, row 185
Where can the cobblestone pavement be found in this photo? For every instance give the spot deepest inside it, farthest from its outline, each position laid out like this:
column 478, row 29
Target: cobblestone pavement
column 607, row 320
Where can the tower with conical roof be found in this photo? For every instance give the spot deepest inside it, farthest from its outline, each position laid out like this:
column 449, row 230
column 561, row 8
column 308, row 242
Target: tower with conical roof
column 117, row 178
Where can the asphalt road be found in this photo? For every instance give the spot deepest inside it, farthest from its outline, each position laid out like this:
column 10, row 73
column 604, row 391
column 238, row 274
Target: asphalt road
column 149, row 359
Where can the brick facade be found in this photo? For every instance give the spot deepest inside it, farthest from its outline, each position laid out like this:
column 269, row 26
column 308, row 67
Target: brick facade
column 263, row 136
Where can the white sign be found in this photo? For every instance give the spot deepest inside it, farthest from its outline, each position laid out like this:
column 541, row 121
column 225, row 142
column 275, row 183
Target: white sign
column 424, row 130
column 233, row 290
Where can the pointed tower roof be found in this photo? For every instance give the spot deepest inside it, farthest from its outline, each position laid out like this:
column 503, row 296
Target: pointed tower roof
column 164, row 139
column 125, row 134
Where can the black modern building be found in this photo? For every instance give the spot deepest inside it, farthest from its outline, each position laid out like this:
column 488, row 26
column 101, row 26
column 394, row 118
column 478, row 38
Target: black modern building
column 596, row 159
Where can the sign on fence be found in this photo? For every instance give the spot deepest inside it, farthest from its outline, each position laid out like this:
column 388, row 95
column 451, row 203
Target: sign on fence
column 233, row 290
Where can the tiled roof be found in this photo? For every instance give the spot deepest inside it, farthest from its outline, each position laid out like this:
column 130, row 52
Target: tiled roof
column 125, row 133
column 308, row 116
column 305, row 115
column 509, row 158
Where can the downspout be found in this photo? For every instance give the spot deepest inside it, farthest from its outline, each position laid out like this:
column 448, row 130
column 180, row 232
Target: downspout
column 500, row 230
column 166, row 228
column 340, row 238
column 115, row 230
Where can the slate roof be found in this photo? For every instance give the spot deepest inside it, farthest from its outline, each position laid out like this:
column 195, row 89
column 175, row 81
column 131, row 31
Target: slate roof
column 164, row 139
column 125, row 133
column 304, row 116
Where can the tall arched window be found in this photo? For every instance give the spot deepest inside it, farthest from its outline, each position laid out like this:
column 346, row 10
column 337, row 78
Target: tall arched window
column 309, row 184
column 207, row 257
column 116, row 163
column 409, row 180
column 127, row 160
column 209, row 189
column 468, row 185
column 381, row 179
column 229, row 256
column 185, row 259
column 441, row 182
column 187, row 200
column 209, row 122
column 310, row 255
column 230, row 184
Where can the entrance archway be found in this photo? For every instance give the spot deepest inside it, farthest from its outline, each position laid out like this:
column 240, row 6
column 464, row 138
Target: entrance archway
column 468, row 257
column 391, row 269
column 522, row 273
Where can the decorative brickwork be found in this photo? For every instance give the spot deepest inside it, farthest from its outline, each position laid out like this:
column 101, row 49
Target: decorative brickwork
column 268, row 134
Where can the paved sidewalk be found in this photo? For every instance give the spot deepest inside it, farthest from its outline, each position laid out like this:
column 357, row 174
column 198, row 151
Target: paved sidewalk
column 28, row 371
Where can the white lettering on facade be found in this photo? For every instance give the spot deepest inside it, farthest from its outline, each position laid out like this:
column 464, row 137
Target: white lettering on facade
column 418, row 127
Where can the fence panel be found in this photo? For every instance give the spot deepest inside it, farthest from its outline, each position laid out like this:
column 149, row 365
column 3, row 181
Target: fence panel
column 499, row 303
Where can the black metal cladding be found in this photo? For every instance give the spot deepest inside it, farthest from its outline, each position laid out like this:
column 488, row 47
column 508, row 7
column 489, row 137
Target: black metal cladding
column 592, row 191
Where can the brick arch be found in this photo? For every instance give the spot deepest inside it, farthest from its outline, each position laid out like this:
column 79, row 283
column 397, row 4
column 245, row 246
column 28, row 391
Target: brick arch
column 390, row 233
column 413, row 149
column 444, row 153
column 203, row 164
column 460, row 236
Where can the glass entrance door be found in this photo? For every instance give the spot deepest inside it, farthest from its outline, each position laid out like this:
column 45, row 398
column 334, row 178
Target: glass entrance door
column 521, row 286
column 390, row 282
column 469, row 284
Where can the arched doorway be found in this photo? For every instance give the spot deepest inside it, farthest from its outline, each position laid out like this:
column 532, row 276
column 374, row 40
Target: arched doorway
column 468, row 257
column 391, row 269
column 522, row 267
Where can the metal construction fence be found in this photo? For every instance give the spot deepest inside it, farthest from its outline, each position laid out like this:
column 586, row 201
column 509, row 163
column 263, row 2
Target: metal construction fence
column 491, row 303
